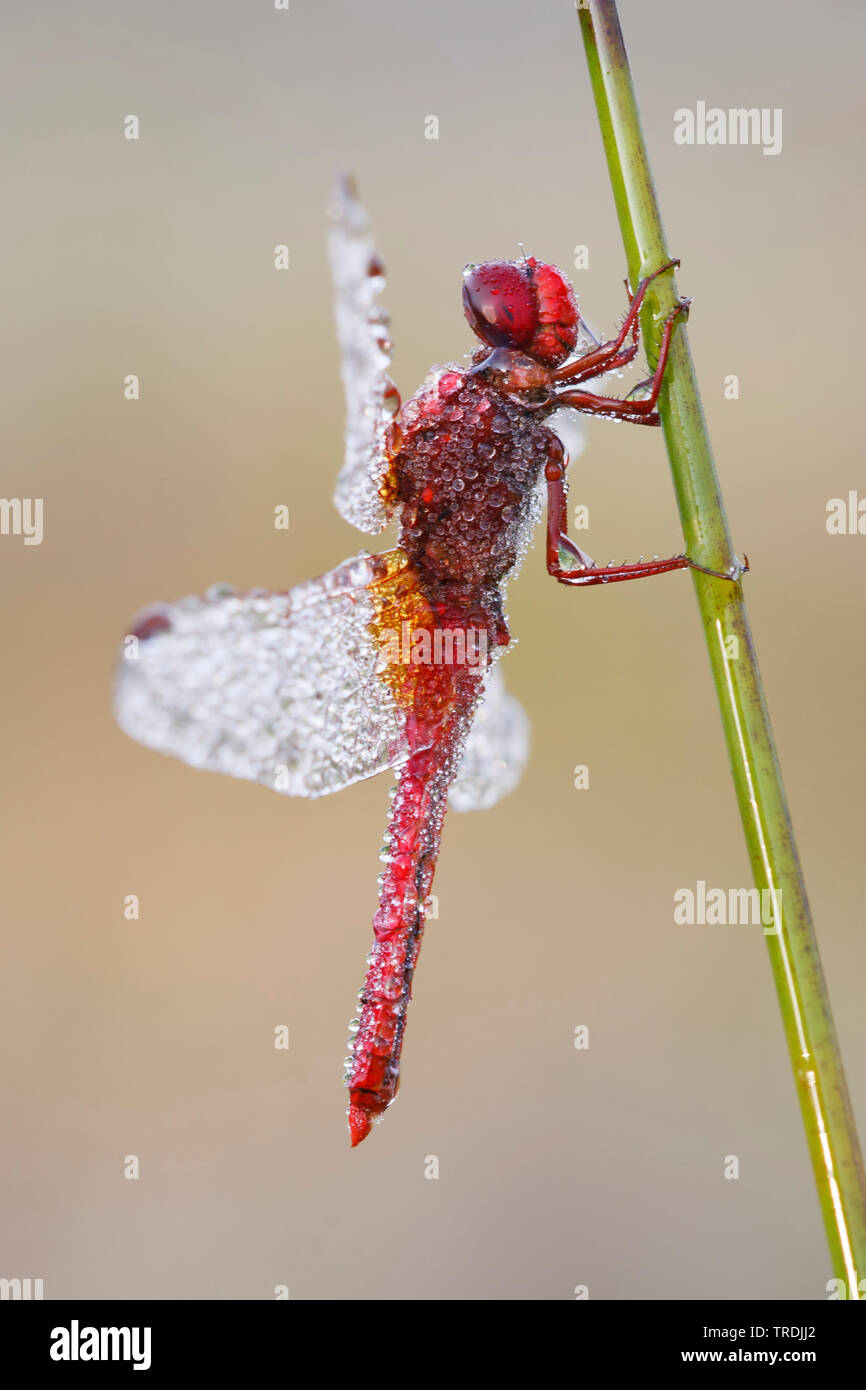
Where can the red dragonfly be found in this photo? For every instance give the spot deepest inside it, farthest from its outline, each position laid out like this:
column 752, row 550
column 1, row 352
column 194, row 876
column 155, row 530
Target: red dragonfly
column 389, row 660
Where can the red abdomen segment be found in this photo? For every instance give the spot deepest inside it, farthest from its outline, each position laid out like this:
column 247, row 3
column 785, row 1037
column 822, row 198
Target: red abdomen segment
column 438, row 683
column 414, row 829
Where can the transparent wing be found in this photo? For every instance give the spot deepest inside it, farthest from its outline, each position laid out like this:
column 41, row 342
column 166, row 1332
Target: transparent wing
column 283, row 689
column 496, row 750
column 569, row 426
column 587, row 338
column 365, row 351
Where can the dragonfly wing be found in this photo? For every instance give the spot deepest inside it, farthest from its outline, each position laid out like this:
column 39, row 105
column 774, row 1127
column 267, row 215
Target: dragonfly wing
column 365, row 352
column 280, row 688
column 587, row 338
column 496, row 750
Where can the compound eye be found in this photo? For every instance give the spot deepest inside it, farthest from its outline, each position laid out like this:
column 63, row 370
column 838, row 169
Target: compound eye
column 500, row 303
column 556, row 334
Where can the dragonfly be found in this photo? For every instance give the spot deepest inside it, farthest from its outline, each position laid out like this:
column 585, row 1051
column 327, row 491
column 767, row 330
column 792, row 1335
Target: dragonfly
column 391, row 659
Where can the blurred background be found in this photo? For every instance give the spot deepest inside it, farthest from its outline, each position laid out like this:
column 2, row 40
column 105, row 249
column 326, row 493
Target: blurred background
column 154, row 1037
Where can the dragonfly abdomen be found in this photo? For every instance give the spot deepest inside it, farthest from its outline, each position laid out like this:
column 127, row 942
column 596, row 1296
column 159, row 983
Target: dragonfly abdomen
column 441, row 695
column 414, row 829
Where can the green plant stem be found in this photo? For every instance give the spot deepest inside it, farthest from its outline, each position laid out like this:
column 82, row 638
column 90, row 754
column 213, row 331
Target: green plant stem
column 814, row 1050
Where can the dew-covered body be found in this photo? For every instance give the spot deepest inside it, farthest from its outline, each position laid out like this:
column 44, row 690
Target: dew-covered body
column 390, row 660
column 466, row 479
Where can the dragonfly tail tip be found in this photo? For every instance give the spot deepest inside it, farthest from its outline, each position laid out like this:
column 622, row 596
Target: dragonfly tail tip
column 360, row 1123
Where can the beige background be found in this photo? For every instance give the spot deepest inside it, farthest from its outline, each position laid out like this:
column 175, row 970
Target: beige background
column 154, row 1037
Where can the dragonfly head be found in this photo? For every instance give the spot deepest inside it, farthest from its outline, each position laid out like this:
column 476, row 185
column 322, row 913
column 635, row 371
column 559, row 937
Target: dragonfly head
column 522, row 305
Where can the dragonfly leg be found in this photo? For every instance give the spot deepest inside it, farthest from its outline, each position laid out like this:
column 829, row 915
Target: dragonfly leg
column 613, row 354
column 611, row 574
column 642, row 412
column 586, row 572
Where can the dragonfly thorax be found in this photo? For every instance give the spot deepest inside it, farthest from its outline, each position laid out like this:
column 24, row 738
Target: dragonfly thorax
column 513, row 374
column 466, row 478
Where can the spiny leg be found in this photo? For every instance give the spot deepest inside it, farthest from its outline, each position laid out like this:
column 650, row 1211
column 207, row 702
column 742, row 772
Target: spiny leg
column 613, row 354
column 641, row 412
column 587, row 572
